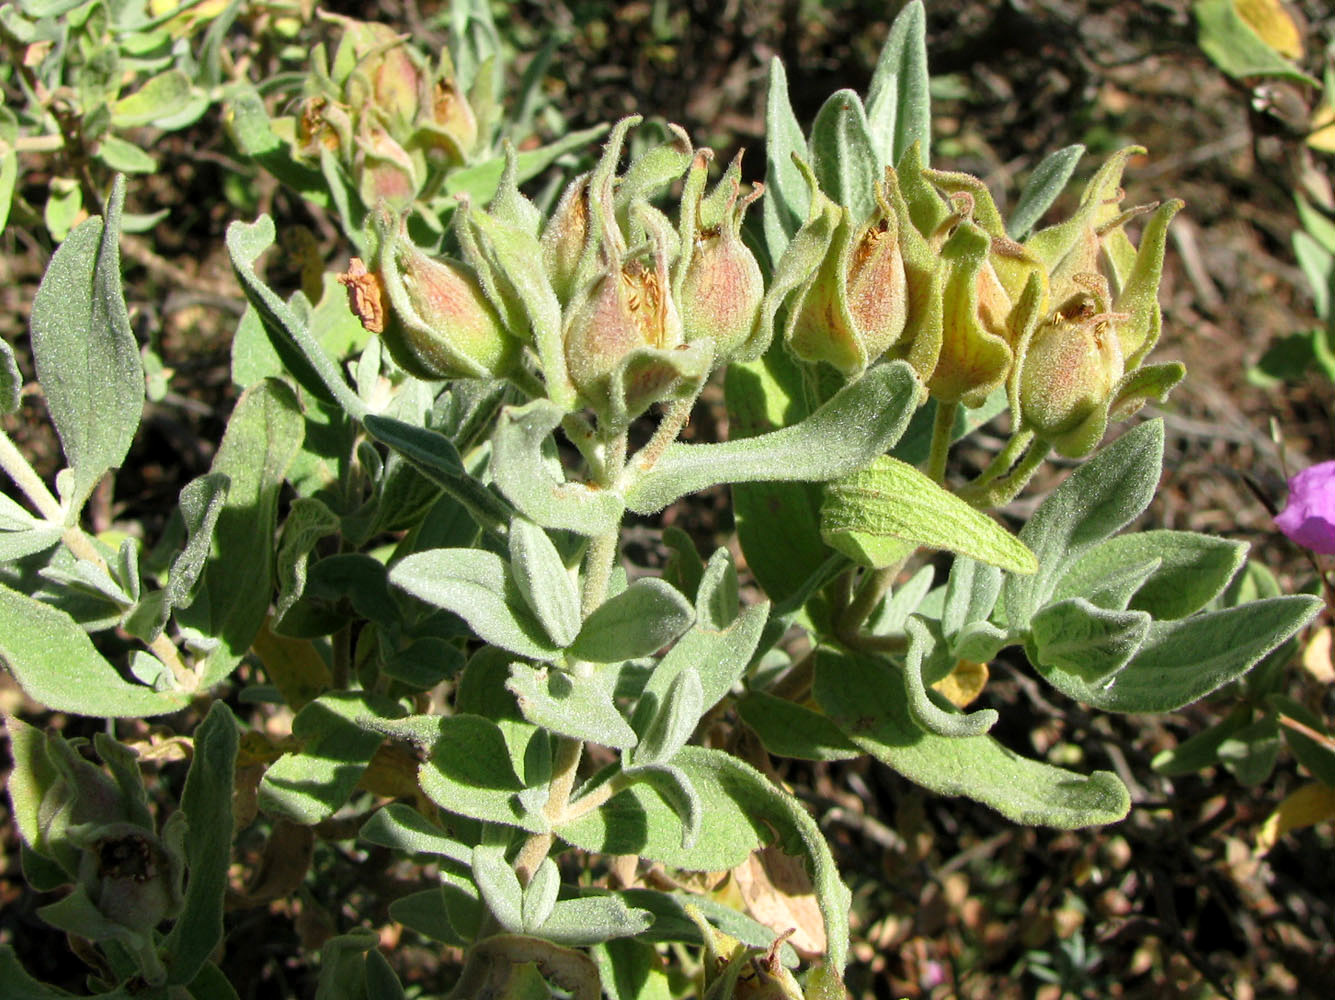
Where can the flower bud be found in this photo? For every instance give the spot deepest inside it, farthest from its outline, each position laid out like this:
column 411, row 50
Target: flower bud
column 432, row 314
column 323, row 125
column 565, row 236
column 856, row 305
column 379, row 72
column 129, row 876
column 1070, row 369
column 976, row 352
column 720, row 288
column 453, row 115
column 384, row 171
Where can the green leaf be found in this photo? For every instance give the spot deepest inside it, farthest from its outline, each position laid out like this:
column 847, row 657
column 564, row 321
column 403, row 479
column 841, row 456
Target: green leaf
column 778, row 524
column 791, row 730
column 899, row 106
column 30, row 779
column 532, row 486
column 206, row 802
column 638, row 820
column 542, row 577
column 425, row 912
column 475, row 586
column 717, row 595
column 1316, row 756
column 592, row 920
column 160, row 97
column 303, row 355
column 720, row 658
column 499, row 886
column 434, row 455
column 86, row 355
column 403, row 828
column 890, row 503
column 787, row 196
column 1077, row 646
column 125, row 157
column 929, row 710
column 1181, row 661
column 1097, row 499
column 308, row 522
column 674, row 722
column 868, row 698
column 263, row 435
column 55, row 663
column 470, row 772
column 843, row 157
column 1189, row 571
column 1048, row 180
column 479, row 181
column 16, row 984
column 857, row 424
column 201, row 503
column 1237, row 50
column 540, row 894
column 11, row 380
column 1201, row 750
column 336, row 745
column 674, row 788
column 570, row 705
column 644, row 617
column 1250, row 752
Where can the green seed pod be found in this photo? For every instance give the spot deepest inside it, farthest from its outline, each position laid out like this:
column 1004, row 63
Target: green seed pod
column 565, row 237
column 384, row 171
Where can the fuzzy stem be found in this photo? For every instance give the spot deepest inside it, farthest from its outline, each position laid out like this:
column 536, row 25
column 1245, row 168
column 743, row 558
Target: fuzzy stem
column 1003, row 461
column 1004, row 489
column 81, row 546
column 668, row 428
column 942, row 428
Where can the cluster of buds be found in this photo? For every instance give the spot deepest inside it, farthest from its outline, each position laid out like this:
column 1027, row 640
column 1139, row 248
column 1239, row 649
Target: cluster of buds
column 616, row 307
column 1062, row 320
column 98, row 832
column 396, row 122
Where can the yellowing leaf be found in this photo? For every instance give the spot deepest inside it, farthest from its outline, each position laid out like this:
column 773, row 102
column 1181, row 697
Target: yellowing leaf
column 1322, row 137
column 1308, row 806
column 778, row 893
column 294, row 666
column 1316, row 654
column 963, row 684
column 1272, row 25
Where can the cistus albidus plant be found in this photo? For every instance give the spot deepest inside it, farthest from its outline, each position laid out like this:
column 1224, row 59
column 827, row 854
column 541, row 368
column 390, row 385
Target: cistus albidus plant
column 475, row 677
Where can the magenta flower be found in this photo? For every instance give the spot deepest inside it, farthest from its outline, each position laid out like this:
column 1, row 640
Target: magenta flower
column 1309, row 516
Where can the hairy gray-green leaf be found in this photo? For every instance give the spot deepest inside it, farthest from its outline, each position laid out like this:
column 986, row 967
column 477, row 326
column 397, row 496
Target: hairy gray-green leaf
column 674, row 788
column 311, row 784
column 86, row 356
column 868, row 698
column 593, row 919
column 524, row 478
column 1097, row 499
column 638, row 820
column 891, row 502
column 1318, row 757
column 644, row 617
column 716, row 597
column 899, row 106
column 858, row 423
column 308, row 521
column 787, row 196
column 1250, row 752
column 543, row 579
column 570, row 705
column 1201, row 750
column 720, row 657
column 202, row 501
column 206, row 801
column 263, row 435
column 475, row 585
column 499, row 886
column 470, row 772
column 843, row 156
column 540, row 894
column 302, row 353
column 1181, row 661
column 402, row 828
column 971, row 593
column 674, row 722
column 435, row 456
column 1044, row 185
column 1077, row 646
column 55, row 663
column 11, row 380
column 1190, row 570
column 929, row 713
column 426, row 913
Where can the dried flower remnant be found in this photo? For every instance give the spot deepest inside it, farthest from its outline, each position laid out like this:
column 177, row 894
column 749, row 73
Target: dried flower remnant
column 366, row 295
column 1309, row 516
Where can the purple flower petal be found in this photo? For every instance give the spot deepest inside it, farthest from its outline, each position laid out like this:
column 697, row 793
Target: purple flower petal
column 1309, row 516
